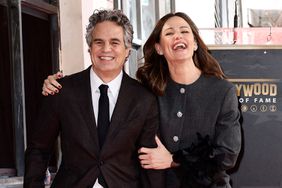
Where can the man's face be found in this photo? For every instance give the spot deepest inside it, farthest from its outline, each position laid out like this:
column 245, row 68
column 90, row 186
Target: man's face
column 108, row 51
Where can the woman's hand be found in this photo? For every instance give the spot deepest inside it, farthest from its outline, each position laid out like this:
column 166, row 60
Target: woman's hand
column 50, row 85
column 155, row 158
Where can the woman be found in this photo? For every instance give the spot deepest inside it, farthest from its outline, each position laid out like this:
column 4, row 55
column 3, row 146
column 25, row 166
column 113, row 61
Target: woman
column 199, row 114
column 200, row 130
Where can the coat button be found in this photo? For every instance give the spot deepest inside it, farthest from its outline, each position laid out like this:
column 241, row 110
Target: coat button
column 101, row 163
column 179, row 114
column 182, row 90
column 175, row 138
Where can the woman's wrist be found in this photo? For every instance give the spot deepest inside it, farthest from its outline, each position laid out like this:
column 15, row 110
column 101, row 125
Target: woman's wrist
column 174, row 163
column 177, row 157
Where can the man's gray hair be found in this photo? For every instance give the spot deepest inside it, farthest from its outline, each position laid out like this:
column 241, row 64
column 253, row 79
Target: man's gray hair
column 115, row 16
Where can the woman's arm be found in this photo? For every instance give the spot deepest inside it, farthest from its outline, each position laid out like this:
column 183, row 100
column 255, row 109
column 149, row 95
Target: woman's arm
column 156, row 158
column 50, row 85
column 228, row 131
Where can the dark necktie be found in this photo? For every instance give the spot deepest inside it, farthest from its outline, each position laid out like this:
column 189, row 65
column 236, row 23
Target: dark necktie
column 103, row 114
column 103, row 122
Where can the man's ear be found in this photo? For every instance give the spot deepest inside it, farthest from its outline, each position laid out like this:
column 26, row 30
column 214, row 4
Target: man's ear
column 128, row 53
column 158, row 49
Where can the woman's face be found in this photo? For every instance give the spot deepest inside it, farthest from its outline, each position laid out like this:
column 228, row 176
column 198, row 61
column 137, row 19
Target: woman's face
column 176, row 41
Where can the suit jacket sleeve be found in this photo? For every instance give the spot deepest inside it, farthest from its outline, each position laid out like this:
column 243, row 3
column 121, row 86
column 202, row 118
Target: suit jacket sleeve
column 40, row 146
column 151, row 178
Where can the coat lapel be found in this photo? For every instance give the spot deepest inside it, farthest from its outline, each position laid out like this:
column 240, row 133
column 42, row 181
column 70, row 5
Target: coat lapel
column 85, row 98
column 122, row 107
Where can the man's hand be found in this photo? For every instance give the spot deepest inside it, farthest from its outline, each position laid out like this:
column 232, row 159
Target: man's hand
column 50, row 85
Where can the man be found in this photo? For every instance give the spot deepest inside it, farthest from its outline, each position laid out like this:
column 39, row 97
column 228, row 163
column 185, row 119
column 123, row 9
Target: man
column 91, row 156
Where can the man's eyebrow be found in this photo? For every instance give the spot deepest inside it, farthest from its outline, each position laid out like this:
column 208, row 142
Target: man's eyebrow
column 97, row 39
column 115, row 39
column 112, row 39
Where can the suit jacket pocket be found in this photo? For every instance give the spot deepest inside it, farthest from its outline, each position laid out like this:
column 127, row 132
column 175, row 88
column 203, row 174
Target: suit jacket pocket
column 66, row 177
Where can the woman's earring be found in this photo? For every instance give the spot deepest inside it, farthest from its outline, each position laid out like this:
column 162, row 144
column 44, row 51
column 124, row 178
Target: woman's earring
column 195, row 47
column 159, row 52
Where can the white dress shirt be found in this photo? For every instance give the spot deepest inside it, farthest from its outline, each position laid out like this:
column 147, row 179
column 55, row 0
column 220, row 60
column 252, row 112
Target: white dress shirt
column 113, row 91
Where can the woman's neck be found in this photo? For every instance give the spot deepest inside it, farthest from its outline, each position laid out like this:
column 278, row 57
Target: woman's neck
column 184, row 73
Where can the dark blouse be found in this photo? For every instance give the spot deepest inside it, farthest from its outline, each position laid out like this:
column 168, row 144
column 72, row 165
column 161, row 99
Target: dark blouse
column 208, row 106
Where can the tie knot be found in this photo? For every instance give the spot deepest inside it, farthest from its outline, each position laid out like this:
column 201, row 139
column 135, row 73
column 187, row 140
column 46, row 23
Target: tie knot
column 103, row 88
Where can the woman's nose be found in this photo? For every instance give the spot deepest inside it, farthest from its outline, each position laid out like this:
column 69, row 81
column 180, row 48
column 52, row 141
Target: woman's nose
column 178, row 35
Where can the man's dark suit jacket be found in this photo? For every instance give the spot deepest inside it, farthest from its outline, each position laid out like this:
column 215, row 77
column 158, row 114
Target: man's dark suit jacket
column 69, row 114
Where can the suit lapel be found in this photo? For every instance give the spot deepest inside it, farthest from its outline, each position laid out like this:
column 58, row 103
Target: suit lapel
column 85, row 98
column 121, row 108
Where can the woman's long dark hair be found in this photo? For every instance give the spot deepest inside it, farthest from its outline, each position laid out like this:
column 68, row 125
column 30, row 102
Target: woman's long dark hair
column 154, row 72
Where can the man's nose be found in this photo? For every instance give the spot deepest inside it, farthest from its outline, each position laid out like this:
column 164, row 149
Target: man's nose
column 107, row 47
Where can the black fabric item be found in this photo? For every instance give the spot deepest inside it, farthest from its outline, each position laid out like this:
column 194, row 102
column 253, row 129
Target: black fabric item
column 103, row 122
column 102, row 181
column 198, row 162
column 103, row 114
